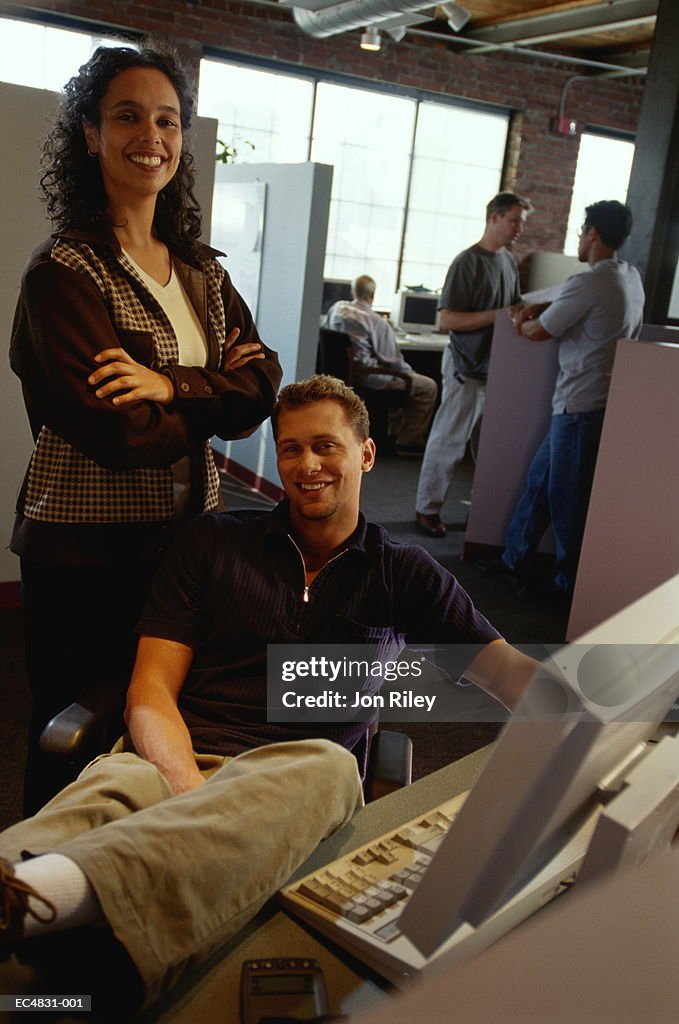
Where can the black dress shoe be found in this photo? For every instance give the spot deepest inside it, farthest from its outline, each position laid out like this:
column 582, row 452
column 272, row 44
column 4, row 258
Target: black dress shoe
column 431, row 525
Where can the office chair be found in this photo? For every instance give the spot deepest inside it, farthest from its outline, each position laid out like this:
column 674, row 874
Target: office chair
column 335, row 357
column 92, row 724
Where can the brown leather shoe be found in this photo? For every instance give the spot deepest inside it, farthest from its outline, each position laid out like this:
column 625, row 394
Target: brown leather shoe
column 14, row 906
column 431, row 525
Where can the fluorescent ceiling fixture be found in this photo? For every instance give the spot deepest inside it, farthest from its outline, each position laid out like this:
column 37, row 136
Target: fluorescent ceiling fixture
column 370, row 39
column 457, row 15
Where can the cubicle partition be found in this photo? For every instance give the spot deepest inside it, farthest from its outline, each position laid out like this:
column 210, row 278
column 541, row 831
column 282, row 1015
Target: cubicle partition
column 631, row 541
column 516, row 418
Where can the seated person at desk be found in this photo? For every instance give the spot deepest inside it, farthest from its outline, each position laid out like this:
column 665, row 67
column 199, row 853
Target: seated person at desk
column 374, row 343
column 208, row 807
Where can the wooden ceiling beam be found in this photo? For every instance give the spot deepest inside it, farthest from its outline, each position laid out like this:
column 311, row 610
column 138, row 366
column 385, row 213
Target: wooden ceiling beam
column 561, row 24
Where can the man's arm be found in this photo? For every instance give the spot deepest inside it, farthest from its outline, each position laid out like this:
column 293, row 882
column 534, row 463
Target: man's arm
column 534, row 331
column 158, row 731
column 386, row 346
column 502, row 671
column 457, row 320
column 522, row 312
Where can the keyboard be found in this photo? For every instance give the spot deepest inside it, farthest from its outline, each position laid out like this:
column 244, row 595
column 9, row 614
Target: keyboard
column 358, row 899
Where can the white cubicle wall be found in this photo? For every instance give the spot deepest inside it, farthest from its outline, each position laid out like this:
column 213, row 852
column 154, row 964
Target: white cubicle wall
column 631, row 541
column 516, row 418
column 290, row 289
column 24, row 113
column 25, row 117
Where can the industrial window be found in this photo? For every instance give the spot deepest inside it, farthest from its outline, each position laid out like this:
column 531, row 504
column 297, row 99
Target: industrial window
column 603, row 171
column 263, row 116
column 411, row 177
column 367, row 137
column 42, row 56
column 457, row 167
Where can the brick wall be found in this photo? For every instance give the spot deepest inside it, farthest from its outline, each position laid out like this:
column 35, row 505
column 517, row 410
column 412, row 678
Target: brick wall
column 541, row 164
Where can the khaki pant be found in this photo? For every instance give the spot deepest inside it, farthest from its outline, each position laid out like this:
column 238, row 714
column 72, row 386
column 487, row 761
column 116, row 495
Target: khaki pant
column 461, row 407
column 177, row 876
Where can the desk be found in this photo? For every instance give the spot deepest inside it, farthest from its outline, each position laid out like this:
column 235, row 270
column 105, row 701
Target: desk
column 423, row 352
column 422, row 342
column 213, row 993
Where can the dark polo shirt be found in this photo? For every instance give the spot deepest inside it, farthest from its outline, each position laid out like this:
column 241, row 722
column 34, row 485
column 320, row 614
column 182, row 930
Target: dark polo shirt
column 233, row 582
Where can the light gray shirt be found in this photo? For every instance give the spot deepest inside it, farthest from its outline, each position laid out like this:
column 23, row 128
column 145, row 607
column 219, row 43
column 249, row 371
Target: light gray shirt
column 595, row 309
column 373, row 341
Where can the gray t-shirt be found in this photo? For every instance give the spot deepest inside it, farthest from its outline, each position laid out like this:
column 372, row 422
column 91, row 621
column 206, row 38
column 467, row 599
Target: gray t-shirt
column 478, row 280
column 595, row 309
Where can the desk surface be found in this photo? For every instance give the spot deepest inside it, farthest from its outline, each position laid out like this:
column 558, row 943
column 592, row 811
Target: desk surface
column 212, row 997
column 422, row 342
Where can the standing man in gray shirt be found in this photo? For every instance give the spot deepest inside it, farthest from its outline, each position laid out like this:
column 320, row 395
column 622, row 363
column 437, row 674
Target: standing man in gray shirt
column 595, row 309
column 481, row 281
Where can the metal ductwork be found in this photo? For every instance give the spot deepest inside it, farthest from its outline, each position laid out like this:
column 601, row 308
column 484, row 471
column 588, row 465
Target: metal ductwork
column 356, row 14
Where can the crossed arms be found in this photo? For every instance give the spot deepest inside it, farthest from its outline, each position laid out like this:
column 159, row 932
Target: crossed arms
column 527, row 323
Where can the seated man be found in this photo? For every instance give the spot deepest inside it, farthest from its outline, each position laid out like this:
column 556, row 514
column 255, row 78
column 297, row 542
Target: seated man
column 206, row 811
column 374, row 344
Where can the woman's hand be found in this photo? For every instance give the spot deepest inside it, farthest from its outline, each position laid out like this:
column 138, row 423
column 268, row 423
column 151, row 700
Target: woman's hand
column 137, row 380
column 236, row 356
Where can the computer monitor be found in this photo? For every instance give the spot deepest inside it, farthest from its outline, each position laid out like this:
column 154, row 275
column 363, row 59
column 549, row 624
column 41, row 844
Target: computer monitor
column 334, row 290
column 583, row 725
column 415, row 312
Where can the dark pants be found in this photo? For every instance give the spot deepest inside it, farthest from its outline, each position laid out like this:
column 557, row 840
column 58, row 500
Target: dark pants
column 558, row 489
column 80, row 623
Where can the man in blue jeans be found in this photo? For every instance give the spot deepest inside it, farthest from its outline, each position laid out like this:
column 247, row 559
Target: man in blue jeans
column 595, row 309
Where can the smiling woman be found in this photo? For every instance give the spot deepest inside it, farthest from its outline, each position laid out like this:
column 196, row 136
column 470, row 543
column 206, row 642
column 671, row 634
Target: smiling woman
column 133, row 349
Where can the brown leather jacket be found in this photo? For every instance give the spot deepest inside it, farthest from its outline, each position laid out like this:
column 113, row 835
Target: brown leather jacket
column 101, row 466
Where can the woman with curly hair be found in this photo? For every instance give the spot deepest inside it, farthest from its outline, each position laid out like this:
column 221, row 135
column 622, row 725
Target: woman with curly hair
column 133, row 349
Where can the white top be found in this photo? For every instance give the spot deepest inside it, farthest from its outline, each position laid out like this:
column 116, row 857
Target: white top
column 177, row 307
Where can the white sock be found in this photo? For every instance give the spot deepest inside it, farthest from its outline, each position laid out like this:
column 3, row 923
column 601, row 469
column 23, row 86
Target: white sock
column 58, row 879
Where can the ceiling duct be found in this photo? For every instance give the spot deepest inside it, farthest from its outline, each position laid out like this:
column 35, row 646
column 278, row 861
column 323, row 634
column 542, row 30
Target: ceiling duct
column 354, row 14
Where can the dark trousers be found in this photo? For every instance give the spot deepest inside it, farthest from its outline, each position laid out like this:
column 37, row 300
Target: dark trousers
column 79, row 622
column 558, row 489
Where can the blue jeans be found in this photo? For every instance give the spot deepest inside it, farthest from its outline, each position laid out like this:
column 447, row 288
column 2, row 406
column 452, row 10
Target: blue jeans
column 558, row 487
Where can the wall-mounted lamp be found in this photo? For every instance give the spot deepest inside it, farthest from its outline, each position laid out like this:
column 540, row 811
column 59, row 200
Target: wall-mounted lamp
column 370, row 39
column 457, row 15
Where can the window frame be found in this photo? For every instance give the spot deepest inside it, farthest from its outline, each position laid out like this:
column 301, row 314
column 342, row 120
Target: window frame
column 601, row 132
column 318, row 75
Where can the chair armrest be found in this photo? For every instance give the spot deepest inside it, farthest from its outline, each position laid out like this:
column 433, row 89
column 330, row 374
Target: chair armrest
column 359, row 370
column 81, row 728
column 389, row 764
